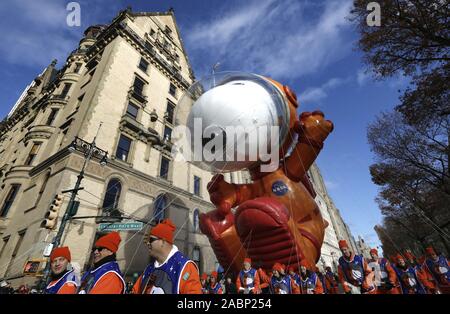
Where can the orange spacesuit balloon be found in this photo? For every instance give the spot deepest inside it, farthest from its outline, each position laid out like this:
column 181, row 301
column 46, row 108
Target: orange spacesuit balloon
column 276, row 218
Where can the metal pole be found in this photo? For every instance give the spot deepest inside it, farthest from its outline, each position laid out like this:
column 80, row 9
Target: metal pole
column 56, row 241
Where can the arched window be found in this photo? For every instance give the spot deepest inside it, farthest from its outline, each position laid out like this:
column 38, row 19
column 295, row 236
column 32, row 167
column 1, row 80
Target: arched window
column 159, row 208
column 112, row 195
column 196, row 219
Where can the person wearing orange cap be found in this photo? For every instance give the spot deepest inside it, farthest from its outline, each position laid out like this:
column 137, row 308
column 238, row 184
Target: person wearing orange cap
column 423, row 275
column 105, row 276
column 282, row 284
column 64, row 280
column 204, row 283
column 385, row 276
column 354, row 274
column 171, row 272
column 309, row 281
column 439, row 268
column 331, row 283
column 294, row 275
column 214, row 287
column 264, row 279
column 407, row 276
column 247, row 281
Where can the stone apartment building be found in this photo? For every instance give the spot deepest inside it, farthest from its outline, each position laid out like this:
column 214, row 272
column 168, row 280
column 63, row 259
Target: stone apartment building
column 127, row 75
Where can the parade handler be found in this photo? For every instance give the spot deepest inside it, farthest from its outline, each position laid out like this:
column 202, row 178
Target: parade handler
column 354, row 273
column 439, row 268
column 105, row 277
column 172, row 272
column 385, row 276
column 64, row 280
column 247, row 281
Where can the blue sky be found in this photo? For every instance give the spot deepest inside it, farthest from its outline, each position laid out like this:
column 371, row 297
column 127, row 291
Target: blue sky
column 309, row 45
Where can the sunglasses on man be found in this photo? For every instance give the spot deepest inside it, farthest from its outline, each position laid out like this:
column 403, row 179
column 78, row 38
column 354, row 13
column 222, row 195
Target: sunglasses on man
column 152, row 239
column 99, row 249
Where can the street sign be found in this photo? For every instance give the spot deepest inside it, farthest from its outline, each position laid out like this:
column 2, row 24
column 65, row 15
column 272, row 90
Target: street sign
column 33, row 267
column 121, row 226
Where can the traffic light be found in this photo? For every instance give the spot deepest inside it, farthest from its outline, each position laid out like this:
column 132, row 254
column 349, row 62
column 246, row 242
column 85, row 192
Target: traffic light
column 73, row 208
column 52, row 214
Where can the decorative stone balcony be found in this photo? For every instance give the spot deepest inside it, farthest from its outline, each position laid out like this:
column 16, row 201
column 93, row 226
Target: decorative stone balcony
column 60, row 99
column 71, row 77
column 137, row 130
column 39, row 132
column 18, row 172
column 137, row 96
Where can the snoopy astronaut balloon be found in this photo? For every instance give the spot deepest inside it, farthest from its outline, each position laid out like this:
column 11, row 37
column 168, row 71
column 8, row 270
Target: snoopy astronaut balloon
column 234, row 121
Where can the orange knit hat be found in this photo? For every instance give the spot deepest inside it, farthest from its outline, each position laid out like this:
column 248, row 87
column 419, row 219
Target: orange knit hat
column 110, row 241
column 374, row 251
column 343, row 244
column 304, row 263
column 429, row 250
column 60, row 252
column 278, row 267
column 214, row 274
column 399, row 257
column 164, row 230
column 247, row 260
column 409, row 256
column 204, row 276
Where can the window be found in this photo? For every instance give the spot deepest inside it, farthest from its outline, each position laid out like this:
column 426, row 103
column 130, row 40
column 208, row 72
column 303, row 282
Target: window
column 52, row 116
column 138, row 86
column 167, row 133
column 196, row 253
column 143, row 65
column 77, row 68
column 33, row 153
column 5, row 243
column 196, row 219
column 170, row 111
column 168, row 30
column 65, row 90
column 112, row 195
column 152, row 32
column 164, row 170
column 123, row 149
column 42, row 189
column 132, row 110
column 197, row 182
column 19, row 243
column 9, row 200
column 159, row 210
column 63, row 136
column 16, row 250
column 172, row 90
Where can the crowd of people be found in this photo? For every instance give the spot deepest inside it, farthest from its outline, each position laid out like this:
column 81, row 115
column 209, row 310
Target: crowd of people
column 170, row 272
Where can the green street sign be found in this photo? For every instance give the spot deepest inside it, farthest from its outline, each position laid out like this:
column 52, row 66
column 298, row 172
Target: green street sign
column 121, row 226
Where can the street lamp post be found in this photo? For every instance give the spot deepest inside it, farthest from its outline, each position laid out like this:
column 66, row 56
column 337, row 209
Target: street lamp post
column 90, row 150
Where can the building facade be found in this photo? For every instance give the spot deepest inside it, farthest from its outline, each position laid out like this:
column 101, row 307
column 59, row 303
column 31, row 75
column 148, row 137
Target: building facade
column 337, row 229
column 363, row 248
column 128, row 77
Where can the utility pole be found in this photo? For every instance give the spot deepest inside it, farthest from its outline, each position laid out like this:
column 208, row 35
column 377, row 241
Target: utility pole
column 90, row 150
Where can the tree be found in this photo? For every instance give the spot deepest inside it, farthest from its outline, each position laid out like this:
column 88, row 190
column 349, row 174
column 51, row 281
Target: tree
column 411, row 143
